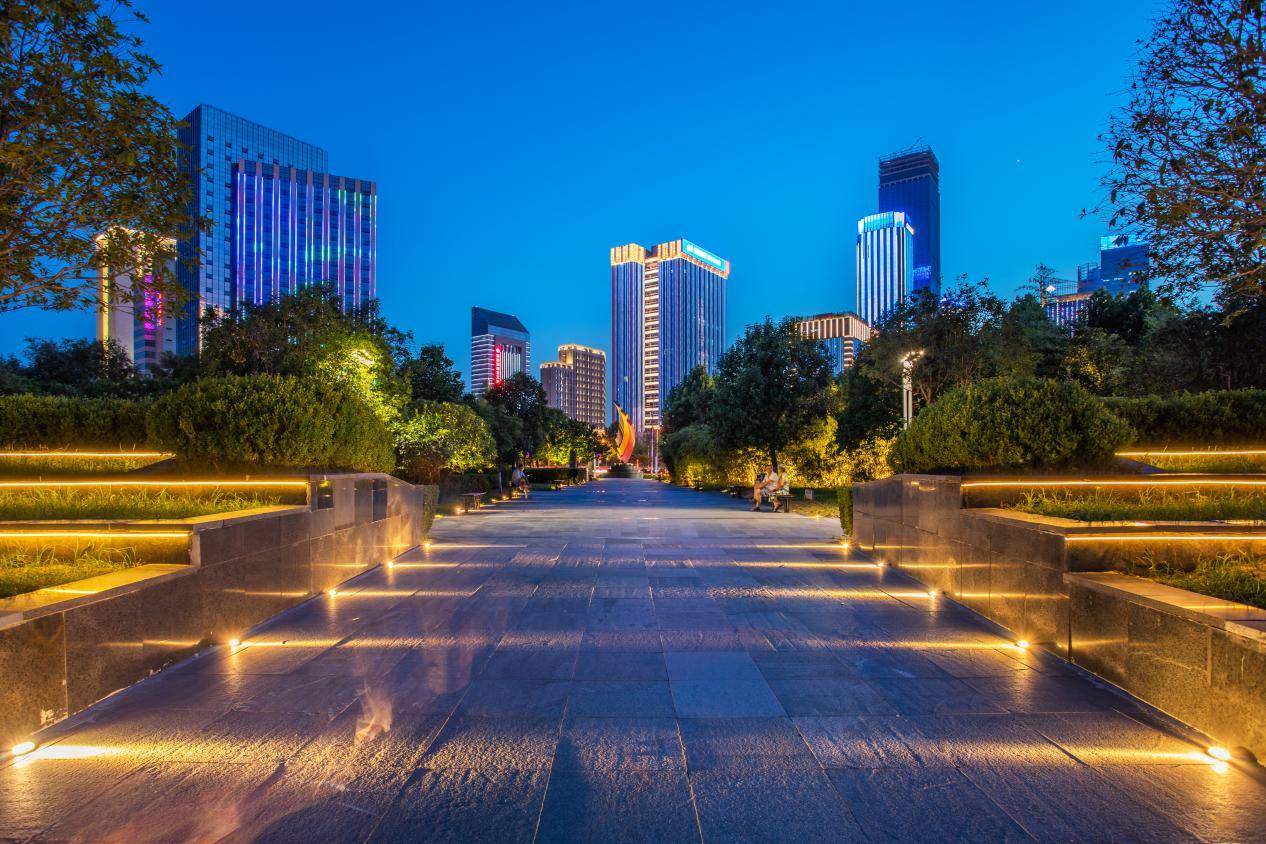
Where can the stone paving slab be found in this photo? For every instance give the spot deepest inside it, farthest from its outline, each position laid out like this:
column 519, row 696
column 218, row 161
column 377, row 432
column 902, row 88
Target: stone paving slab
column 625, row 661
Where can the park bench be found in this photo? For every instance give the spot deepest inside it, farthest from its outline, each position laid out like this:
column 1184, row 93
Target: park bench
column 472, row 501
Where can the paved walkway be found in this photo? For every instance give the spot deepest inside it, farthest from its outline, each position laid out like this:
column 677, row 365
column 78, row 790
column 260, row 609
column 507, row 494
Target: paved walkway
column 625, row 661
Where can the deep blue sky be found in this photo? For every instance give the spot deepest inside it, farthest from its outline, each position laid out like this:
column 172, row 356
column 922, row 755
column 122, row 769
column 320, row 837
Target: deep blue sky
column 513, row 145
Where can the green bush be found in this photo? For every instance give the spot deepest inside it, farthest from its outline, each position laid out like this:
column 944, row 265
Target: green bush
column 271, row 421
column 845, row 498
column 1008, row 423
column 554, row 475
column 60, row 422
column 1218, row 417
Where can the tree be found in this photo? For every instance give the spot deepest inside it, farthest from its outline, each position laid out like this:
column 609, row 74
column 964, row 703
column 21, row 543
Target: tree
column 443, row 437
column 687, row 403
column 431, row 375
column 569, row 441
column 771, row 386
column 83, row 153
column 515, row 411
column 1189, row 148
column 1028, row 343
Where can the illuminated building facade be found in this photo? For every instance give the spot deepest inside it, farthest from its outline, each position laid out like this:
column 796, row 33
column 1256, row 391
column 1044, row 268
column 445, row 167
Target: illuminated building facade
column 667, row 317
column 844, row 334
column 885, row 255
column 215, row 143
column 1122, row 262
column 294, row 227
column 910, row 182
column 576, row 383
column 139, row 322
column 500, row 347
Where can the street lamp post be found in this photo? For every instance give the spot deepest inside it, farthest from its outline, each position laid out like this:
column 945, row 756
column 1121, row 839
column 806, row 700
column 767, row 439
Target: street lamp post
column 907, row 386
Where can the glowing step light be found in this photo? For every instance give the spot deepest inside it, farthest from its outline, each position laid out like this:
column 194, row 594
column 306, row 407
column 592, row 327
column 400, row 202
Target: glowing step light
column 1219, row 753
column 22, row 748
column 1023, row 644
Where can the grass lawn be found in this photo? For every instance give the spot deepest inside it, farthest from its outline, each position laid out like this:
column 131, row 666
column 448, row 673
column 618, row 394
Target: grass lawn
column 1239, row 576
column 122, row 503
column 1185, row 505
column 1217, row 464
column 63, row 466
column 22, row 571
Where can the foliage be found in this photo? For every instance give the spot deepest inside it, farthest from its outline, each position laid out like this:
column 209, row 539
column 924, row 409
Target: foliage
column 687, row 403
column 1187, row 149
column 1235, row 576
column 815, row 459
column 1010, row 423
column 306, row 334
column 442, row 436
column 695, row 456
column 1175, row 505
column 431, row 376
column 56, row 422
column 870, row 406
column 569, row 442
column 274, row 421
column 844, row 497
column 43, row 466
column 1028, row 343
column 124, row 503
column 1225, row 417
column 515, row 411
column 771, row 386
column 27, row 571
column 83, row 152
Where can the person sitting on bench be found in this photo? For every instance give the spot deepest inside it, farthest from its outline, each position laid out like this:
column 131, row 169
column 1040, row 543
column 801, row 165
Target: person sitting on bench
column 777, row 490
column 766, row 485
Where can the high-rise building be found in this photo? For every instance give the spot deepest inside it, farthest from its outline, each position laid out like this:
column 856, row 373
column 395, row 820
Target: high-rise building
column 885, row 252
column 500, row 347
column 138, row 321
column 667, row 317
column 842, row 333
column 215, row 142
column 576, row 383
column 1119, row 271
column 294, row 227
column 910, row 182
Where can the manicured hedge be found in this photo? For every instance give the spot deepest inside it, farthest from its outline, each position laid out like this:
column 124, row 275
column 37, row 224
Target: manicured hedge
column 1218, row 417
column 554, row 475
column 265, row 421
column 844, row 495
column 1004, row 423
column 59, row 422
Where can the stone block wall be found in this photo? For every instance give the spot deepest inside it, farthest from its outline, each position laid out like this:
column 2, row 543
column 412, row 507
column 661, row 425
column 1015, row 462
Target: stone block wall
column 60, row 656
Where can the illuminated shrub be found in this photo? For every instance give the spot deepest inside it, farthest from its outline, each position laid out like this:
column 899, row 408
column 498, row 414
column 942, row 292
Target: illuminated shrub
column 1005, row 423
column 1217, row 417
column 59, row 422
column 442, row 437
column 256, row 421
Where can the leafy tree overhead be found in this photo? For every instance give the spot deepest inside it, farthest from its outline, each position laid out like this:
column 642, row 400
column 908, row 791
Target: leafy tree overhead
column 515, row 410
column 569, row 441
column 431, row 375
column 83, row 153
column 687, row 403
column 1189, row 148
column 771, row 387
column 443, row 437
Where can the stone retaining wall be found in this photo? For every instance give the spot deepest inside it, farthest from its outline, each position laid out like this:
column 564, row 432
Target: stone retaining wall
column 62, row 650
column 1048, row 580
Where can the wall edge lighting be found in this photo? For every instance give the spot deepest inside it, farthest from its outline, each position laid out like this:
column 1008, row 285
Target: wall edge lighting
column 1206, row 453
column 122, row 455
column 99, row 534
column 22, row 748
column 153, row 483
column 1166, row 537
column 1159, row 481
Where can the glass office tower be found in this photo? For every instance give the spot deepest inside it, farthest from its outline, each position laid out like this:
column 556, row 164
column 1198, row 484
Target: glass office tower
column 667, row 317
column 885, row 254
column 500, row 347
column 293, row 227
column 215, row 141
column 910, row 182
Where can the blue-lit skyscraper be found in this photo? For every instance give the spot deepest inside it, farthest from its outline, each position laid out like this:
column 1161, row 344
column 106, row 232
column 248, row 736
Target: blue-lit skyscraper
column 667, row 317
column 292, row 228
column 910, row 182
column 1122, row 262
column 885, row 256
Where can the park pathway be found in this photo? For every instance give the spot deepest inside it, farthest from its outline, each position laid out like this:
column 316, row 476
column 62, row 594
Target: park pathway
column 625, row 661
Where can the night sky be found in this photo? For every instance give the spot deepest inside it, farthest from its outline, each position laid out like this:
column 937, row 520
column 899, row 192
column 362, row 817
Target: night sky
column 513, row 145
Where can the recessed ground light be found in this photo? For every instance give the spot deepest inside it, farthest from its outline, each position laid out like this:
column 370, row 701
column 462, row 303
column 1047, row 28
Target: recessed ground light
column 333, row 593
column 1219, row 753
column 932, row 593
column 23, row 747
column 1023, row 644
column 233, row 643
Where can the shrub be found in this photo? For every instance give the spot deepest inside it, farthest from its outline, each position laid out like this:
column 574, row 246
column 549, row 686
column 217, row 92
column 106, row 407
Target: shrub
column 60, row 422
column 442, row 436
column 1223, row 417
column 273, row 421
column 554, row 475
column 1007, row 423
column 845, row 498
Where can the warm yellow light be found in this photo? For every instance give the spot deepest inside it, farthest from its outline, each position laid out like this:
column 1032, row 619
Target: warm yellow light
column 1023, row 644
column 122, row 455
column 1213, row 453
column 333, row 593
column 233, row 643
column 390, row 564
column 1157, row 481
column 1219, row 753
column 932, row 593
column 93, row 534
column 151, row 483
column 1166, row 537
column 23, row 747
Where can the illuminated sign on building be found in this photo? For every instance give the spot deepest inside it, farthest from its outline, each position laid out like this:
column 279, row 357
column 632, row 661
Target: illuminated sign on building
column 704, row 255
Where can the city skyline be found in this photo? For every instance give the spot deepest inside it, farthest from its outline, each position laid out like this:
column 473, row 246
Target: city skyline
column 777, row 193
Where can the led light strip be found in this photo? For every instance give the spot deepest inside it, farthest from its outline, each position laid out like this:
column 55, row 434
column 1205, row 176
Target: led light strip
column 1158, row 482
column 1166, row 537
column 1238, row 453
column 121, row 455
column 80, row 534
column 51, row 484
